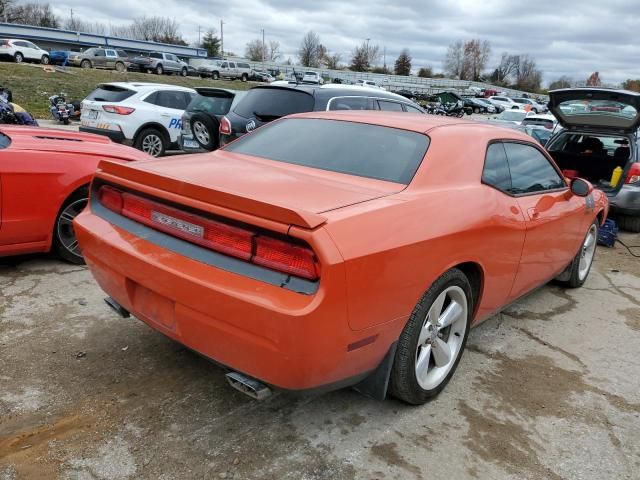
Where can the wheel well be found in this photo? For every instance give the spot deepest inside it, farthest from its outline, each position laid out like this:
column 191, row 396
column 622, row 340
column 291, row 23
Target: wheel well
column 62, row 204
column 601, row 217
column 158, row 127
column 475, row 275
column 18, row 52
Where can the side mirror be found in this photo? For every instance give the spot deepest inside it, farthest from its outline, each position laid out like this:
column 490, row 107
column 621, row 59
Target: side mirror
column 581, row 187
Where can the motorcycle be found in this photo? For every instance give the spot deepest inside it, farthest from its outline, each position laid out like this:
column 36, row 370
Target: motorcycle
column 61, row 110
column 454, row 110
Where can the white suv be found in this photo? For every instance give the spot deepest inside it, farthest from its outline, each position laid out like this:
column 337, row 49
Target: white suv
column 145, row 115
column 23, row 51
column 506, row 103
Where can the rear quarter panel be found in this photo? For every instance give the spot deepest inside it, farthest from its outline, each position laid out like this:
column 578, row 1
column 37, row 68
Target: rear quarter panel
column 395, row 248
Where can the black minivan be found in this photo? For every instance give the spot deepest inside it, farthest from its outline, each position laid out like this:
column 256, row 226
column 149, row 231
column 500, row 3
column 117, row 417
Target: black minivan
column 263, row 104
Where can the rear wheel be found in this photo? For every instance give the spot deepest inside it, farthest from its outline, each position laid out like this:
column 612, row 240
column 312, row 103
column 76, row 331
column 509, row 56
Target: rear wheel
column 578, row 271
column 18, row 57
column 215, row 75
column 120, row 67
column 245, row 77
column 159, row 70
column 65, row 243
column 432, row 342
column 44, row 60
column 152, row 142
column 85, row 64
column 476, row 110
column 184, row 72
column 629, row 223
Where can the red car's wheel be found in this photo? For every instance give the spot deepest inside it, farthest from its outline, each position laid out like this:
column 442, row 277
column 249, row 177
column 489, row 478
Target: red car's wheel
column 580, row 267
column 65, row 243
column 433, row 340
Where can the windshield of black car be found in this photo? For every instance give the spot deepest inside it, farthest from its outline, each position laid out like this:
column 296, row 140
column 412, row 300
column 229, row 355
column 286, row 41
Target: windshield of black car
column 363, row 150
column 271, row 103
column 213, row 105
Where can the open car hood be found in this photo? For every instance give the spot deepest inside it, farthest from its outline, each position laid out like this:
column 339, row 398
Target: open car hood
column 596, row 108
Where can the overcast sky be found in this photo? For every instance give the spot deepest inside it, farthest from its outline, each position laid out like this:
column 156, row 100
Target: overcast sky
column 567, row 37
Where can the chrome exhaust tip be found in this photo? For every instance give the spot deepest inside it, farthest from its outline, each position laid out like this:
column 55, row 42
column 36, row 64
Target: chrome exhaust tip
column 116, row 307
column 248, row 386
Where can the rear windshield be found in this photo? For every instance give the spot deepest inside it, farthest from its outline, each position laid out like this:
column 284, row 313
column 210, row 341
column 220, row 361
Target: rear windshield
column 110, row 93
column 211, row 105
column 358, row 149
column 270, row 103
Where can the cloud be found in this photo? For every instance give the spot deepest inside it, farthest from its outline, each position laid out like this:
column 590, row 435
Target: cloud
column 570, row 37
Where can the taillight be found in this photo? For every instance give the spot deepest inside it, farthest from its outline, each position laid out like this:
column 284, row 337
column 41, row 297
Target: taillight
column 230, row 240
column 225, row 126
column 118, row 110
column 110, row 198
column 634, row 173
column 286, row 257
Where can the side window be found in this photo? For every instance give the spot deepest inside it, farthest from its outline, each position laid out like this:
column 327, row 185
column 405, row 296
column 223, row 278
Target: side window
column 155, row 55
column 496, row 169
column 232, row 65
column 99, row 53
column 152, row 98
column 411, row 109
column 122, row 53
column 111, row 53
column 349, row 103
column 390, row 106
column 224, row 65
column 530, row 170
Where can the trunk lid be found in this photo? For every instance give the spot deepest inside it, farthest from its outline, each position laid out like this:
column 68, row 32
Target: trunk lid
column 596, row 109
column 288, row 194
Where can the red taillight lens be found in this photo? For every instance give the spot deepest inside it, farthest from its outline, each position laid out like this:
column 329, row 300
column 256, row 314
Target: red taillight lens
column 285, row 257
column 634, row 173
column 118, row 110
column 110, row 198
column 225, row 126
column 245, row 244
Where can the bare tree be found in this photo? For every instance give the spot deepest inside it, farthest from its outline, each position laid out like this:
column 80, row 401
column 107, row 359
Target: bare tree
column 155, row 29
column 273, row 51
column 39, row 15
column 528, row 76
column 310, row 51
column 594, row 80
column 403, row 63
column 78, row 25
column 332, row 61
column 365, row 57
column 454, row 61
column 254, row 50
column 562, row 82
column 476, row 55
column 505, row 69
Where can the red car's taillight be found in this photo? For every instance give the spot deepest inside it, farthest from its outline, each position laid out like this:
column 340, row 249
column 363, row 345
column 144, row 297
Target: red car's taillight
column 245, row 244
column 225, row 126
column 118, row 110
column 634, row 173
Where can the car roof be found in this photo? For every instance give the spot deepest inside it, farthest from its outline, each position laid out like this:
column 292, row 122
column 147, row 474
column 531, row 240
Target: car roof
column 333, row 90
column 141, row 86
column 414, row 122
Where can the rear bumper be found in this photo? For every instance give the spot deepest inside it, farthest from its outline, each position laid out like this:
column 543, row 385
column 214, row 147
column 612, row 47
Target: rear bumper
column 186, row 142
column 114, row 135
column 286, row 339
column 626, row 201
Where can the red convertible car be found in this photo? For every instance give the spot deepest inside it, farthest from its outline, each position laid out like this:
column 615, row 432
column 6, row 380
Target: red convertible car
column 44, row 179
column 336, row 249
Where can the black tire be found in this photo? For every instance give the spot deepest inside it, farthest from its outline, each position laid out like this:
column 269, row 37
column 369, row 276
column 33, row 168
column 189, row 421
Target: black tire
column 476, row 110
column 18, row 57
column 215, row 76
column 120, row 67
column 403, row 382
column 629, row 223
column 44, row 60
column 146, row 137
column 159, row 70
column 212, row 126
column 65, row 121
column 244, row 77
column 571, row 277
column 63, row 234
column 534, row 110
column 85, row 64
column 184, row 72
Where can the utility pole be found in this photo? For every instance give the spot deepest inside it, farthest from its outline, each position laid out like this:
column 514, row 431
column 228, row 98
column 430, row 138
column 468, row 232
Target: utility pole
column 73, row 25
column 221, row 39
column 384, row 48
column 263, row 48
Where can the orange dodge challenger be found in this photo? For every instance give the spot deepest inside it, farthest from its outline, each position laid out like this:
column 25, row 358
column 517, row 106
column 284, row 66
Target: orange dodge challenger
column 337, row 249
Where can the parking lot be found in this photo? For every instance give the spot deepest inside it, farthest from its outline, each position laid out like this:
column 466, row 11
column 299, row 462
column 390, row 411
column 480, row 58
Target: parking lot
column 548, row 389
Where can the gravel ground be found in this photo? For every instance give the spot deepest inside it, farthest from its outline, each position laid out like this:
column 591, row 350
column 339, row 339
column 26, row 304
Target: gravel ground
column 549, row 389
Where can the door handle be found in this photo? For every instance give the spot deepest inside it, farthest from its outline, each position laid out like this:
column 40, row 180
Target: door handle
column 533, row 213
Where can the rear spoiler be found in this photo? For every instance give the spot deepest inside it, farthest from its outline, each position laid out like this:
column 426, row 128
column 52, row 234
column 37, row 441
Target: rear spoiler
column 113, row 171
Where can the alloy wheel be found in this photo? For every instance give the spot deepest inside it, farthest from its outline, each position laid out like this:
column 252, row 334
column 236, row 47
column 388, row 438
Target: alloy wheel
column 66, row 233
column 201, row 132
column 441, row 337
column 587, row 252
column 152, row 144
